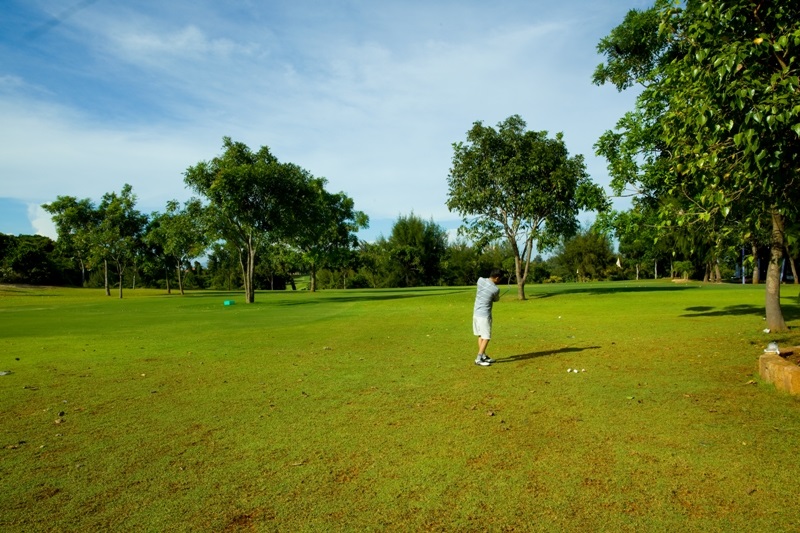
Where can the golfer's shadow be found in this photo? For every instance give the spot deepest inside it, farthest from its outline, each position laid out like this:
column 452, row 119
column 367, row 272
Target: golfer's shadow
column 544, row 353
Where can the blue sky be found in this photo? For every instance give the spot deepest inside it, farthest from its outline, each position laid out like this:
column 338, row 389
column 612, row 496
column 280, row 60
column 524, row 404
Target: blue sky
column 368, row 94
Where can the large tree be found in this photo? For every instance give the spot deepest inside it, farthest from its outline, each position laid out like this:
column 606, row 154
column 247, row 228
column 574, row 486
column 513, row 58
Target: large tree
column 253, row 199
column 720, row 109
column 520, row 185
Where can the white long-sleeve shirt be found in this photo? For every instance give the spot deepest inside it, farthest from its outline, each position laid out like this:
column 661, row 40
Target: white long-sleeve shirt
column 486, row 295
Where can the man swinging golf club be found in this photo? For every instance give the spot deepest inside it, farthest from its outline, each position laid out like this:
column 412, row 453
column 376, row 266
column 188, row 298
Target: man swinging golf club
column 487, row 294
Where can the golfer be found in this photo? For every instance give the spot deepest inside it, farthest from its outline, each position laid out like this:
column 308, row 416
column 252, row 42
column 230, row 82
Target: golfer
column 487, row 294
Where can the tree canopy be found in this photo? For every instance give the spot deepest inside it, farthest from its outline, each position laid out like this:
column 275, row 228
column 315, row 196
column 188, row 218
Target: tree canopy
column 118, row 232
column 253, row 198
column 520, row 185
column 416, row 249
column 74, row 220
column 258, row 204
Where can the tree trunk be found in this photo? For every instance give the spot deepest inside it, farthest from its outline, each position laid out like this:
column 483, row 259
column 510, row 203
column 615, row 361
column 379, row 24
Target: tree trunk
column 119, row 267
column 180, row 279
column 528, row 251
column 105, row 272
column 518, row 274
column 706, row 273
column 314, row 278
column 518, row 270
column 243, row 265
column 775, row 321
column 251, row 273
column 794, row 269
column 291, row 281
column 718, row 273
column 637, row 271
column 166, row 271
column 756, row 266
column 247, row 258
column 655, row 269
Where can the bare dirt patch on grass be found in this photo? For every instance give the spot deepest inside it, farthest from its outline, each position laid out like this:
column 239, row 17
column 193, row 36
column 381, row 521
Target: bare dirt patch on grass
column 792, row 355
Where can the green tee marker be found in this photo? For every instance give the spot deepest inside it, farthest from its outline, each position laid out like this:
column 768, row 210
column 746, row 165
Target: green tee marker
column 229, row 302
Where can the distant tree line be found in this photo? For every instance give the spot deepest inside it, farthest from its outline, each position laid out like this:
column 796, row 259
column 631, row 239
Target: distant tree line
column 259, row 223
column 415, row 253
column 35, row 260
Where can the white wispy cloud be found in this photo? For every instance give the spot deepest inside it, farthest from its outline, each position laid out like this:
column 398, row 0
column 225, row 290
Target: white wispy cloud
column 368, row 94
column 185, row 44
column 49, row 151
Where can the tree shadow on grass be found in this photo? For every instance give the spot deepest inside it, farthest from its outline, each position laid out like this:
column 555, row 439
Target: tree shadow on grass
column 321, row 297
column 611, row 288
column 543, row 353
column 790, row 312
column 201, row 293
column 27, row 289
column 372, row 295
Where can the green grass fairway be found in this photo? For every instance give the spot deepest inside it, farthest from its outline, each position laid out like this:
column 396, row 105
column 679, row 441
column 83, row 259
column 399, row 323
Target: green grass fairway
column 362, row 410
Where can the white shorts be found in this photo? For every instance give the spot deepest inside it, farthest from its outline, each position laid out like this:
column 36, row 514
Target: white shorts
column 482, row 326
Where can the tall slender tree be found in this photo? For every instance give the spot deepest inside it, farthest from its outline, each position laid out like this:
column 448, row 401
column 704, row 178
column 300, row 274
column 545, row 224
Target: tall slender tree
column 520, row 185
column 118, row 233
column 180, row 233
column 74, row 220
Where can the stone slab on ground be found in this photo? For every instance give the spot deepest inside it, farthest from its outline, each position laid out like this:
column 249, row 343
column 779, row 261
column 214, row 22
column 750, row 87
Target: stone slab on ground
column 784, row 374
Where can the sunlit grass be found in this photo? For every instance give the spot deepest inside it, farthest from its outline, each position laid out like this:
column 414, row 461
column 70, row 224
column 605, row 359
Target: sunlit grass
column 362, row 410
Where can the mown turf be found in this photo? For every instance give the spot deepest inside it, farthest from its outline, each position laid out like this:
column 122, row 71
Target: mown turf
column 362, row 410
